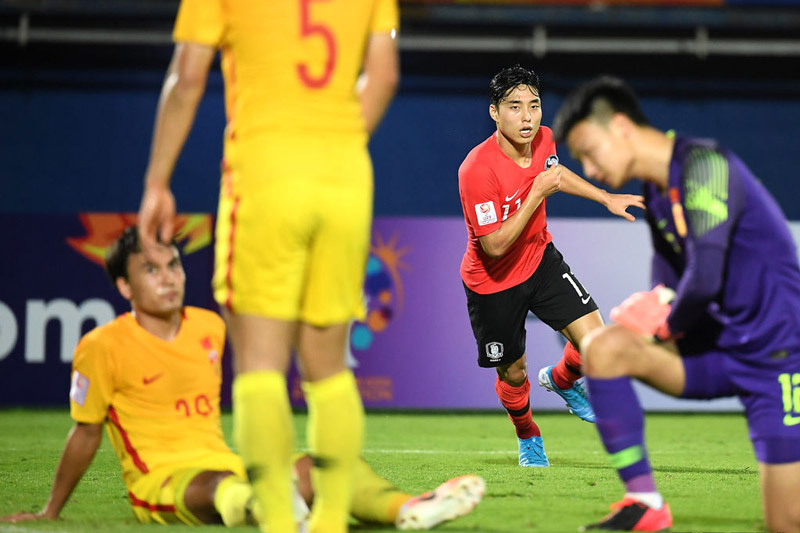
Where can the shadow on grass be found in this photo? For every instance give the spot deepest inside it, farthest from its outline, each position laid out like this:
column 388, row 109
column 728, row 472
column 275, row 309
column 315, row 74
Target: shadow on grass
column 367, row 528
column 721, row 523
column 661, row 468
column 667, row 469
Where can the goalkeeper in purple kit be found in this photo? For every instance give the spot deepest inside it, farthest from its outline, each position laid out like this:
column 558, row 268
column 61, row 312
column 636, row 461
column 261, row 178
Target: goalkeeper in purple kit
column 723, row 318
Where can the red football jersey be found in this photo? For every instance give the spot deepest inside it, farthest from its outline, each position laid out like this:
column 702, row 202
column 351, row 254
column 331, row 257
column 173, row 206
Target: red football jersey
column 492, row 188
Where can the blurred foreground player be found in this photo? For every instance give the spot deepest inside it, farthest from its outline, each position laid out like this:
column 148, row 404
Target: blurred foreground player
column 724, row 252
column 306, row 83
column 153, row 376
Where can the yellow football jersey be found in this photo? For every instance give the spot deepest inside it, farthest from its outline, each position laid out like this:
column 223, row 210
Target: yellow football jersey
column 288, row 65
column 159, row 399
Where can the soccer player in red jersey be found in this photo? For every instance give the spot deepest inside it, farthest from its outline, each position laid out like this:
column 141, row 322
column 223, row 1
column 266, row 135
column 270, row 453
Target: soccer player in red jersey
column 511, row 266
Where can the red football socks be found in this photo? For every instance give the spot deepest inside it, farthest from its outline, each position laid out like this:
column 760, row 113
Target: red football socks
column 517, row 402
column 568, row 369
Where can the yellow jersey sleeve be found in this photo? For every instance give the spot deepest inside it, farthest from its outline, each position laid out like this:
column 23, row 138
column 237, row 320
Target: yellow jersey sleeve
column 200, row 21
column 91, row 387
column 386, row 17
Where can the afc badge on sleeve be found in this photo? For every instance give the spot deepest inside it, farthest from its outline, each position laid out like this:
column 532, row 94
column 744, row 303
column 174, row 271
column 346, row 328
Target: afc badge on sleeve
column 79, row 388
column 486, row 213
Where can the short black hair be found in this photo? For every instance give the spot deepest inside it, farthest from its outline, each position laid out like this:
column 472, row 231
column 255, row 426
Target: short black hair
column 119, row 252
column 599, row 98
column 509, row 79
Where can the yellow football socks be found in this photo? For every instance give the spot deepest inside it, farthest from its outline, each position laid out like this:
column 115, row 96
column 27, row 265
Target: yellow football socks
column 230, row 500
column 264, row 435
column 335, row 436
column 374, row 498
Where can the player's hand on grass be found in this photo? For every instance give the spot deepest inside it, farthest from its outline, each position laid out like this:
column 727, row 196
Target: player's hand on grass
column 646, row 312
column 23, row 516
column 156, row 218
column 619, row 203
column 547, row 182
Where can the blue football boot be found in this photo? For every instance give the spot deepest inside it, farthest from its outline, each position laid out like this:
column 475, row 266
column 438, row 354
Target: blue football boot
column 575, row 397
column 531, row 452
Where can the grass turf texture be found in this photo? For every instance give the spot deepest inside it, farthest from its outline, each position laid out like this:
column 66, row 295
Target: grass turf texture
column 703, row 465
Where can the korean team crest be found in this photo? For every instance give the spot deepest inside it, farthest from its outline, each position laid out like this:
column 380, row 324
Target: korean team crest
column 551, row 161
column 494, row 351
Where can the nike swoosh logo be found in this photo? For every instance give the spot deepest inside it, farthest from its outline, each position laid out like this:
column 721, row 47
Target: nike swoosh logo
column 509, row 198
column 584, row 301
column 790, row 420
column 148, row 381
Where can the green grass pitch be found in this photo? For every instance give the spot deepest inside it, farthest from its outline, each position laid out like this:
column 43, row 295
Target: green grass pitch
column 703, row 463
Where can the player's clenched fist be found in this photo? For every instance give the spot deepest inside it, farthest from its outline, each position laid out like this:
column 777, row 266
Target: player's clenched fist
column 548, row 182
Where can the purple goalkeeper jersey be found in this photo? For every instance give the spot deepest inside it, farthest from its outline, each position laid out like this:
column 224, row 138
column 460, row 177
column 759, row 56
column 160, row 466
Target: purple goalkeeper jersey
column 722, row 242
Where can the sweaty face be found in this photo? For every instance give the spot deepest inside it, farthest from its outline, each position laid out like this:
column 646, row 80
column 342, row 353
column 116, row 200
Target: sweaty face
column 604, row 153
column 518, row 115
column 156, row 287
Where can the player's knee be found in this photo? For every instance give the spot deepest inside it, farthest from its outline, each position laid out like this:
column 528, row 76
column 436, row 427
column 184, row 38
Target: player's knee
column 514, row 376
column 604, row 350
column 786, row 520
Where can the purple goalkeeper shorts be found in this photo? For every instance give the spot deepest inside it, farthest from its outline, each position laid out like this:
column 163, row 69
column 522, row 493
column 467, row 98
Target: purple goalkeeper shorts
column 769, row 390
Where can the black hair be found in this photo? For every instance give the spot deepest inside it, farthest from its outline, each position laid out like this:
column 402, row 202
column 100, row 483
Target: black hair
column 509, row 79
column 599, row 98
column 119, row 252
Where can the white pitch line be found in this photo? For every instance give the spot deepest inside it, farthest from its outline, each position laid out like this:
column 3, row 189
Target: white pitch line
column 473, row 452
column 490, row 452
column 460, row 452
column 15, row 529
column 440, row 452
column 431, row 452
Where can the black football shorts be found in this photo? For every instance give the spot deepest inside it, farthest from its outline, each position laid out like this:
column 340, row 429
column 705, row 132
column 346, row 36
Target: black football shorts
column 552, row 293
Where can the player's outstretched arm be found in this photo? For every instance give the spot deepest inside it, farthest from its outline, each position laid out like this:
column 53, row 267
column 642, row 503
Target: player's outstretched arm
column 380, row 77
column 181, row 93
column 82, row 443
column 617, row 204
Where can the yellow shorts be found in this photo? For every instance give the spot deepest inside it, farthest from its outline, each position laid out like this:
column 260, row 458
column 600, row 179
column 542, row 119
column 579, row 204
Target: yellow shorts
column 293, row 228
column 157, row 497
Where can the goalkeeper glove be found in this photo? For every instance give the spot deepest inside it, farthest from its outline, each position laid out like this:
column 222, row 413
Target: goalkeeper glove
column 646, row 312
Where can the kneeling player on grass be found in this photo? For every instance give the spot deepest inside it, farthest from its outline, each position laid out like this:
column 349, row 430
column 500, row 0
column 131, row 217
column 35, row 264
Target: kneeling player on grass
column 153, row 376
column 723, row 250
